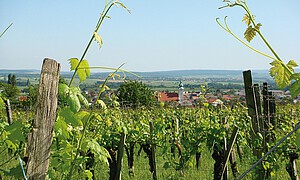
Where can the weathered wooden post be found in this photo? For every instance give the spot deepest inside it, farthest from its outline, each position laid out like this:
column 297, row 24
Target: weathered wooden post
column 40, row 138
column 153, row 151
column 255, row 112
column 8, row 111
column 120, row 156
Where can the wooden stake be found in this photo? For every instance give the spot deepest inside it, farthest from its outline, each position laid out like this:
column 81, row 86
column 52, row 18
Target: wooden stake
column 40, row 138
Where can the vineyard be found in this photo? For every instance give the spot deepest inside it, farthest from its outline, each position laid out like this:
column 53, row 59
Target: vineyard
column 183, row 139
column 61, row 135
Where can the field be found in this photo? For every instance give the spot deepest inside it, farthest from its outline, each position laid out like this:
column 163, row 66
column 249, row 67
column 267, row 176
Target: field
column 198, row 130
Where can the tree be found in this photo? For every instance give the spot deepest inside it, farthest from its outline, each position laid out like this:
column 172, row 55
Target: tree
column 135, row 94
column 11, row 92
column 12, row 80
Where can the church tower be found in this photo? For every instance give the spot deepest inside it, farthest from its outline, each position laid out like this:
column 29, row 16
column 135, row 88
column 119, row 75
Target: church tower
column 180, row 92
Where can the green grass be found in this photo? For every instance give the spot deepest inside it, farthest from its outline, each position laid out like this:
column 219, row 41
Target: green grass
column 141, row 168
column 205, row 172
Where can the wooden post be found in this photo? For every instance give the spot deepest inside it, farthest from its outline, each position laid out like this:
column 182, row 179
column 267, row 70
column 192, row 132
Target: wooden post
column 8, row 111
column 120, row 156
column 153, row 152
column 255, row 112
column 230, row 148
column 40, row 138
column 251, row 100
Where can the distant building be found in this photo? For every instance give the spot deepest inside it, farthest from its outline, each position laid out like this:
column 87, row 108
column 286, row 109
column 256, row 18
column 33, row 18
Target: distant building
column 167, row 96
column 180, row 92
column 23, row 98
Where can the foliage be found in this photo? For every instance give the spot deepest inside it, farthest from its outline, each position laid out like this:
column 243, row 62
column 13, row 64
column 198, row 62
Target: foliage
column 135, row 94
column 9, row 91
column 283, row 73
column 2, row 104
column 73, row 140
column 12, row 80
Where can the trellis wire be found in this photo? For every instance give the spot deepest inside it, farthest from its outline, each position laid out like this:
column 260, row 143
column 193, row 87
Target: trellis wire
column 269, row 152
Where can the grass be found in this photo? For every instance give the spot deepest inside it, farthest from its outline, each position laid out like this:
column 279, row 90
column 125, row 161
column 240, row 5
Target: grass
column 141, row 168
column 205, row 172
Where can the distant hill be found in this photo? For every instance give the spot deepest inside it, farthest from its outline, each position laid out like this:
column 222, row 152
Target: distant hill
column 155, row 74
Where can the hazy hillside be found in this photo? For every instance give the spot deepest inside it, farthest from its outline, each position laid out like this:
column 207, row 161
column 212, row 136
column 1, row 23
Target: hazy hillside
column 157, row 74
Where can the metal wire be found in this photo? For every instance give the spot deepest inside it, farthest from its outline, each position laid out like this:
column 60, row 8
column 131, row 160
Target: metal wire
column 269, row 152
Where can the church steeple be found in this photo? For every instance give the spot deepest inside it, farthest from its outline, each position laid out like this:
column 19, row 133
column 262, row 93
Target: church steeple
column 180, row 92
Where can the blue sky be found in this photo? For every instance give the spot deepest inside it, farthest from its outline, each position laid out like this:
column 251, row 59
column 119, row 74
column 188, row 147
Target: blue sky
column 157, row 35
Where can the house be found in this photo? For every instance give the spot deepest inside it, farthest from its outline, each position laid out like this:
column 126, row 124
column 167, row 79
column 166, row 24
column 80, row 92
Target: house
column 23, row 98
column 167, row 96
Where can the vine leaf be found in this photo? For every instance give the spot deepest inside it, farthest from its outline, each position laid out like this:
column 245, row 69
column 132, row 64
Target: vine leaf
column 14, row 133
column 61, row 128
column 246, row 19
column 298, row 138
column 83, row 70
column 2, row 104
column 74, row 63
column 250, row 32
column 102, row 104
column 88, row 174
column 282, row 73
column 98, row 38
column 100, row 152
column 295, row 87
column 257, row 26
column 69, row 117
column 72, row 96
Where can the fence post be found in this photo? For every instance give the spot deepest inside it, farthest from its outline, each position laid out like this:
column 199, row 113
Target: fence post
column 8, row 111
column 120, row 156
column 40, row 138
column 255, row 112
column 230, row 149
column 153, row 151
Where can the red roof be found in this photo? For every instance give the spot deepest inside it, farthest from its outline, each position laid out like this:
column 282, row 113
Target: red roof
column 166, row 96
column 22, row 98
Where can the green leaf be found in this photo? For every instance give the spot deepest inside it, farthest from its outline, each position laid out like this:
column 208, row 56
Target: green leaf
column 291, row 64
column 69, row 117
column 257, row 26
column 100, row 152
column 98, row 38
column 88, row 174
column 282, row 73
column 61, row 128
column 15, row 132
column 83, row 70
column 250, row 33
column 86, row 66
column 15, row 173
column 83, row 116
column 73, row 101
column 102, row 104
column 83, row 100
column 72, row 96
column 63, row 90
column 298, row 138
column 246, row 19
column 74, row 63
column 2, row 104
column 295, row 88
